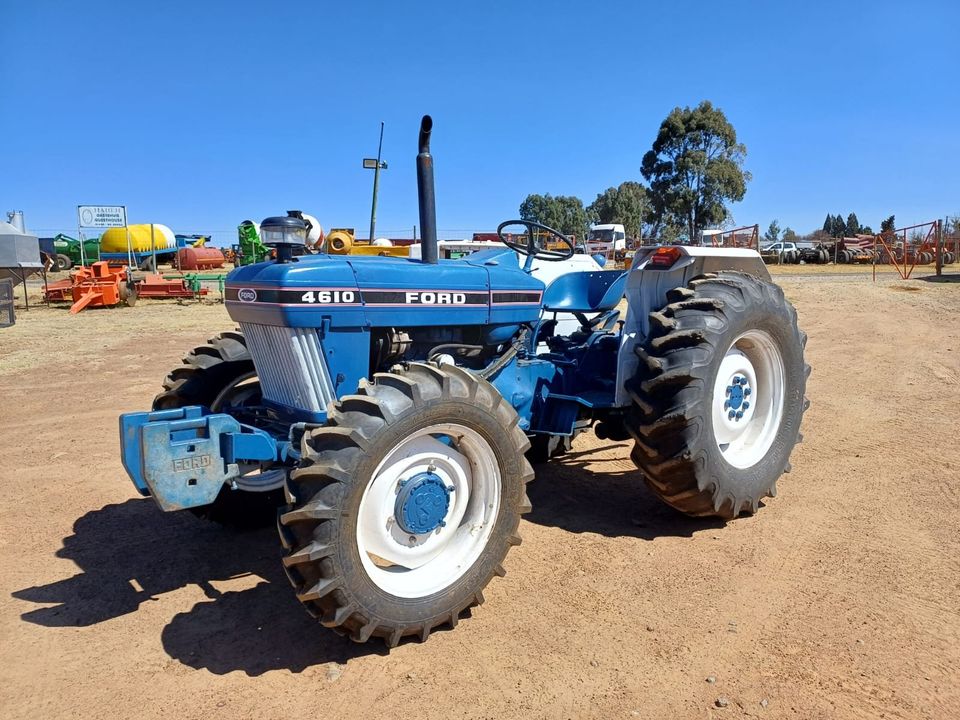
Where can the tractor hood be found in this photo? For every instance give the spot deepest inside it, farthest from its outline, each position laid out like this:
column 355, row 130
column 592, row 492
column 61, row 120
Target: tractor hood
column 358, row 291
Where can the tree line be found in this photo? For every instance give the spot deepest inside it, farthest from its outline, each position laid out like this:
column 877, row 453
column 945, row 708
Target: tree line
column 693, row 169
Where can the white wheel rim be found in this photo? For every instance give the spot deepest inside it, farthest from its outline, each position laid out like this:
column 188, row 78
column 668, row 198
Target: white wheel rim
column 254, row 477
column 416, row 565
column 748, row 399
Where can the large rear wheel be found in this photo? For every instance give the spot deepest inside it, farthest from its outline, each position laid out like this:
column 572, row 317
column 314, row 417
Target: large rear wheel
column 404, row 505
column 719, row 395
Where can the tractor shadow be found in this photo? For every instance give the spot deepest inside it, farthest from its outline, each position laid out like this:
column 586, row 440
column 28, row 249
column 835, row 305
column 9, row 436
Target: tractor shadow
column 945, row 278
column 571, row 493
column 129, row 554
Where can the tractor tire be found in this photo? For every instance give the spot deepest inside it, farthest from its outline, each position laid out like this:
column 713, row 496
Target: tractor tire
column 62, row 262
column 354, row 556
column 721, row 340
column 218, row 375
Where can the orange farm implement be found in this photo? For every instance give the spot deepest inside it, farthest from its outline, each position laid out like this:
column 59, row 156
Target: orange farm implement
column 104, row 285
column 159, row 287
column 923, row 244
column 98, row 285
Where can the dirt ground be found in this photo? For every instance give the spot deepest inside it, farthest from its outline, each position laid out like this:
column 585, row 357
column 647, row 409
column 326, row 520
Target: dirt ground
column 838, row 600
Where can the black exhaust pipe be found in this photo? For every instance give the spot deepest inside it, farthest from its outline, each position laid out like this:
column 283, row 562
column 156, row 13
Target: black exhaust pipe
column 425, row 195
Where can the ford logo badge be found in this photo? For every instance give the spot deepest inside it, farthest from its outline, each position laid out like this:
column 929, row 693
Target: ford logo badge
column 247, row 295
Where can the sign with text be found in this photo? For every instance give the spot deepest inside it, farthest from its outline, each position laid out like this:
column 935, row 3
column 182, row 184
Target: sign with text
column 102, row 216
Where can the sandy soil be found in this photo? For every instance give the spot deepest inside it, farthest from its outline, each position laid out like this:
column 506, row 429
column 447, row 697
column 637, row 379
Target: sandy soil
column 838, row 600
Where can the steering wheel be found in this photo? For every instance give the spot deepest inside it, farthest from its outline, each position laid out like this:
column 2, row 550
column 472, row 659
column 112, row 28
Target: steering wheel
column 531, row 248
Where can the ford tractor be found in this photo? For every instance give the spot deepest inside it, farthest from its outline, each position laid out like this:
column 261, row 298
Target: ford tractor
column 391, row 405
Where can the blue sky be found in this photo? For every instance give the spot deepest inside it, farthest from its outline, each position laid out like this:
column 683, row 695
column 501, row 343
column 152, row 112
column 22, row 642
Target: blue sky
column 202, row 114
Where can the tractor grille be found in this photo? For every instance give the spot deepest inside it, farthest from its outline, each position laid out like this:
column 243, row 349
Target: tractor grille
column 290, row 365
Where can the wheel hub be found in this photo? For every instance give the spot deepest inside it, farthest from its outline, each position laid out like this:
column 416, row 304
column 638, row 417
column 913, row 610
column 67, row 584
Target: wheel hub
column 422, row 503
column 748, row 398
column 737, row 393
column 412, row 549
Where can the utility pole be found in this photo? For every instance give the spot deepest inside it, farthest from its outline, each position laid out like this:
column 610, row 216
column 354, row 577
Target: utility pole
column 375, row 165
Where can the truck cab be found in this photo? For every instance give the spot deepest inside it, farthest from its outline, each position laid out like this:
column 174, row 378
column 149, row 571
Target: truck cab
column 607, row 238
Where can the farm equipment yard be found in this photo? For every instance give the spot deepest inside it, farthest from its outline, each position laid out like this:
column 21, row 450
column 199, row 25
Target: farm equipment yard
column 837, row 600
column 534, row 362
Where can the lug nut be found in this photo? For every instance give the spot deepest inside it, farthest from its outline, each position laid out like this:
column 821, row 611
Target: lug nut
column 739, row 415
column 746, row 405
column 732, row 414
column 747, row 391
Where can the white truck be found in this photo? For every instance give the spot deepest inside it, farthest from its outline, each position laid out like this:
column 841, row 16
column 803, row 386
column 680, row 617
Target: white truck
column 607, row 238
column 779, row 247
column 781, row 252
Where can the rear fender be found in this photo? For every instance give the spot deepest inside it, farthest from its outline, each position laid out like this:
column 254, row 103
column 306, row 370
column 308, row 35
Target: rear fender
column 702, row 260
column 648, row 285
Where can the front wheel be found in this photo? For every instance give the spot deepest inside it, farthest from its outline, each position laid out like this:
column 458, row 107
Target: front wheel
column 405, row 504
column 719, row 395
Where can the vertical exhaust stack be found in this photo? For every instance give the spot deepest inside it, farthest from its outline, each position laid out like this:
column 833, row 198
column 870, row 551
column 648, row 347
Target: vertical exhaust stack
column 425, row 195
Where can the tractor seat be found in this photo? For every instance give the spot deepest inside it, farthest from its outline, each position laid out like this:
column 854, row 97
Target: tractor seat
column 585, row 292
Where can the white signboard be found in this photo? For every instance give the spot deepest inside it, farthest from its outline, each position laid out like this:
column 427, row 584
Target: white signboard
column 102, row 216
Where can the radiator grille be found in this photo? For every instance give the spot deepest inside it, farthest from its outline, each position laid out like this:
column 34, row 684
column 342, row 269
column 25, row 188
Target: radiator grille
column 290, row 365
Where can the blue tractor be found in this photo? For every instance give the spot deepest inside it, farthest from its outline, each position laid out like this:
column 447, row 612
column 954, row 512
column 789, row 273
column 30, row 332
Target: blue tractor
column 389, row 405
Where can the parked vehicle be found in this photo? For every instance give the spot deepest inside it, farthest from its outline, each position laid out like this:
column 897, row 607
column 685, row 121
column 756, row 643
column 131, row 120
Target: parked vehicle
column 390, row 403
column 605, row 239
column 780, row 252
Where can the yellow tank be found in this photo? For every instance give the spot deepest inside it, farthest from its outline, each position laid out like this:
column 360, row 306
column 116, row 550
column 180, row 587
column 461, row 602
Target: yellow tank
column 115, row 239
column 339, row 241
column 379, row 250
